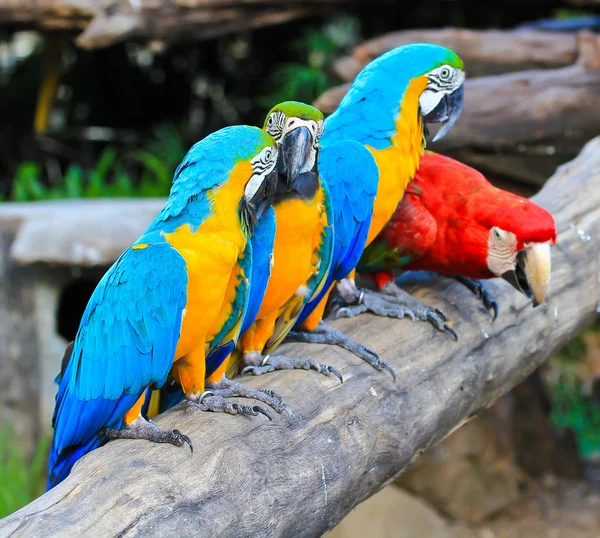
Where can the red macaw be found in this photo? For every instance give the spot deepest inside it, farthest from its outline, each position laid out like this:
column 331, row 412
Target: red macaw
column 454, row 222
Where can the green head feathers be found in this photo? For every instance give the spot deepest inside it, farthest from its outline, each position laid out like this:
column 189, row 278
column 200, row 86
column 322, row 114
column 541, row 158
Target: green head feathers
column 295, row 109
column 297, row 129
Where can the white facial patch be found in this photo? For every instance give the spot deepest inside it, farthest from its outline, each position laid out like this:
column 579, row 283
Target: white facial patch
column 502, row 251
column 262, row 165
column 441, row 81
column 429, row 100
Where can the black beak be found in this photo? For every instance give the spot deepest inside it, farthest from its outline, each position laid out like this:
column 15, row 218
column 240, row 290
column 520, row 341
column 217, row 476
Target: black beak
column 447, row 111
column 294, row 153
column 518, row 279
column 252, row 210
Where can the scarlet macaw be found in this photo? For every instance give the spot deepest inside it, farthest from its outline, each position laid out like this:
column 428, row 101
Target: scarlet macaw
column 454, row 222
column 171, row 300
column 386, row 110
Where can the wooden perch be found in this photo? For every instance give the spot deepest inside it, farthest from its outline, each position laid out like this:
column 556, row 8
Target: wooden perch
column 250, row 477
column 110, row 21
column 522, row 125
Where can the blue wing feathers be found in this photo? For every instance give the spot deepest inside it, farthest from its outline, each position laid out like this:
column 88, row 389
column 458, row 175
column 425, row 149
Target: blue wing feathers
column 126, row 341
column 262, row 250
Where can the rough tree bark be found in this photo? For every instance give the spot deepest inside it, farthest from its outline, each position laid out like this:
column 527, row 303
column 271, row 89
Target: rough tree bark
column 109, row 21
column 250, row 477
column 521, row 125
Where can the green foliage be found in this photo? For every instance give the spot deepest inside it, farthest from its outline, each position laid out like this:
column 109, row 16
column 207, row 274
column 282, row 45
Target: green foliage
column 22, row 479
column 570, row 377
column 145, row 172
column 316, row 50
column 573, row 409
column 562, row 14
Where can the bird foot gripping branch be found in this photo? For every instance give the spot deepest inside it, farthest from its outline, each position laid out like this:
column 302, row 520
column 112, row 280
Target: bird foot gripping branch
column 324, row 334
column 270, row 363
column 226, row 388
column 149, row 431
column 481, row 292
column 393, row 302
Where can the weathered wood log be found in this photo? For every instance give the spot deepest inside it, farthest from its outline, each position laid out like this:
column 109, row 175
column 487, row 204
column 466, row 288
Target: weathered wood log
column 485, row 52
column 250, row 477
column 522, row 125
column 110, row 21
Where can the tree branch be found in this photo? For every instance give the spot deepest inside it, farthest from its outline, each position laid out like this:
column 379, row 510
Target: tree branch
column 109, row 21
column 249, row 477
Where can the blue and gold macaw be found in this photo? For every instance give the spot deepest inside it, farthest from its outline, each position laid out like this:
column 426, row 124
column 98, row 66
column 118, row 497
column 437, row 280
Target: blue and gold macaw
column 386, row 110
column 173, row 301
column 291, row 253
column 303, row 246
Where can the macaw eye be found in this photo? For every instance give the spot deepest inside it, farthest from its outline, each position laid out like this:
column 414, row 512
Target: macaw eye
column 445, row 73
column 497, row 234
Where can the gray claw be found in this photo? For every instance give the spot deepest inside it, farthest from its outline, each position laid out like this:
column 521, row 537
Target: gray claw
column 334, row 371
column 181, row 438
column 387, row 367
column 253, row 410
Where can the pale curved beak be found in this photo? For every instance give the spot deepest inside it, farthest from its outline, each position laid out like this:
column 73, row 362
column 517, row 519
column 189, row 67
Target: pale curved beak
column 537, row 268
column 532, row 272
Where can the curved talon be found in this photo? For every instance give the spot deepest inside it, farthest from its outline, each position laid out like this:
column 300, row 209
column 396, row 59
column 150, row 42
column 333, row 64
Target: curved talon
column 361, row 297
column 249, row 370
column 265, row 360
column 331, row 370
column 205, row 394
column 493, row 305
column 450, row 330
column 441, row 314
column 182, row 438
column 388, row 368
column 253, row 410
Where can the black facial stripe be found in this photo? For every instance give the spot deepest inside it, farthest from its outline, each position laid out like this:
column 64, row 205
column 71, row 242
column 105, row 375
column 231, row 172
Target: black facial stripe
column 438, row 85
column 277, row 125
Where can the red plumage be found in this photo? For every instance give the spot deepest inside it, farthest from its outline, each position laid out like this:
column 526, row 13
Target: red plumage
column 444, row 220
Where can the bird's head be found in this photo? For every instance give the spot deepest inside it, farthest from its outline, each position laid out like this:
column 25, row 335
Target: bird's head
column 442, row 99
column 499, row 233
column 262, row 184
column 519, row 250
column 296, row 128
